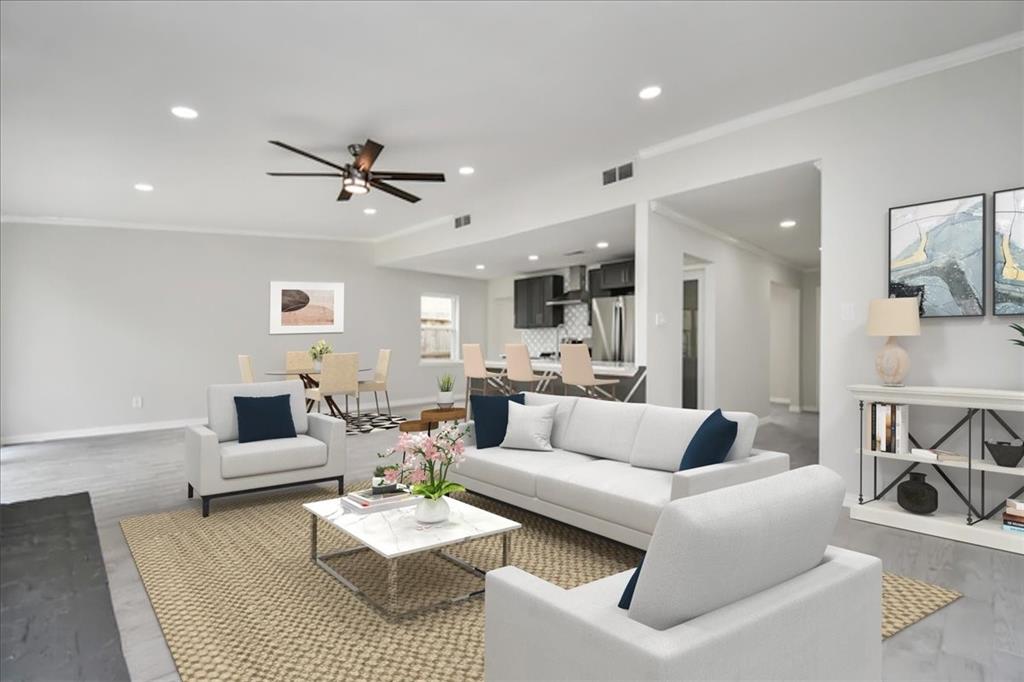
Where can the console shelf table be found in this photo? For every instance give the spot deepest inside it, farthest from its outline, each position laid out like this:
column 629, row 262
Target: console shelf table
column 978, row 525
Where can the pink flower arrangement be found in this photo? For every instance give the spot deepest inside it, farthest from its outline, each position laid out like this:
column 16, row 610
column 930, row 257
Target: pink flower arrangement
column 426, row 459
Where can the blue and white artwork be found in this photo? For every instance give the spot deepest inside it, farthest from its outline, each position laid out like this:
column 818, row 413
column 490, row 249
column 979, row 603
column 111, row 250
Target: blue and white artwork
column 1008, row 253
column 937, row 253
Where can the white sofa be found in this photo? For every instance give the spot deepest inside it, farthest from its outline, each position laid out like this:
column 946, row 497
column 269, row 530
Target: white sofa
column 614, row 466
column 738, row 584
column 216, row 464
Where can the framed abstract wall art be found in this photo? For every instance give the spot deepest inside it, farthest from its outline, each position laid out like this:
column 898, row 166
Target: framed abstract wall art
column 307, row 307
column 937, row 253
column 1008, row 252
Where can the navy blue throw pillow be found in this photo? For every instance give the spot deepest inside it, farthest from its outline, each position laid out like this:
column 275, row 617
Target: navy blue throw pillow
column 490, row 418
column 264, row 418
column 711, row 443
column 627, row 594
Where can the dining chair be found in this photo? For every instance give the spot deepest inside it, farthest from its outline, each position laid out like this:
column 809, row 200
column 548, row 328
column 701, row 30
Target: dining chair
column 339, row 375
column 519, row 367
column 245, row 368
column 473, row 367
column 578, row 371
column 299, row 361
column 380, row 379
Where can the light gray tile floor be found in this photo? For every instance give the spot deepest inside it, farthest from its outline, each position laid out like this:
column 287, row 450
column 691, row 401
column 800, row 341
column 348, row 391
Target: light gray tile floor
column 980, row 637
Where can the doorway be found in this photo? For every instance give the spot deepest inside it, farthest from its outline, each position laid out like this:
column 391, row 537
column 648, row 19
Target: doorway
column 694, row 333
column 784, row 346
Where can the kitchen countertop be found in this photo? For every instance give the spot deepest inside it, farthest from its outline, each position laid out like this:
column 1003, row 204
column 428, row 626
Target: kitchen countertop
column 618, row 369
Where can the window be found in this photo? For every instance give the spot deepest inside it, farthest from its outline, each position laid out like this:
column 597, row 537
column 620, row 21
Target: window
column 439, row 327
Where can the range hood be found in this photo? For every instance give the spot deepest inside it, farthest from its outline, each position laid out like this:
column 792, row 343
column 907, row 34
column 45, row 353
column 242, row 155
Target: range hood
column 576, row 288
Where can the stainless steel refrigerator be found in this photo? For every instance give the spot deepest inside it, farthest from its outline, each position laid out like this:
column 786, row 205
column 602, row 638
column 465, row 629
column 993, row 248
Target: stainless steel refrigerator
column 613, row 320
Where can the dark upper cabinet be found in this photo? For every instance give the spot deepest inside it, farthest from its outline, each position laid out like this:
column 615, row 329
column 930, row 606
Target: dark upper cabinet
column 531, row 297
column 618, row 275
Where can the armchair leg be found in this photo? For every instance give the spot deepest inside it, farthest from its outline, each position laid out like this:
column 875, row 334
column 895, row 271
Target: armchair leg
column 190, row 491
column 206, row 506
column 341, row 485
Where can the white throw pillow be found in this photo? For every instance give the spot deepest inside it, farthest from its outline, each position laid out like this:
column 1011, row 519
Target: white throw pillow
column 529, row 428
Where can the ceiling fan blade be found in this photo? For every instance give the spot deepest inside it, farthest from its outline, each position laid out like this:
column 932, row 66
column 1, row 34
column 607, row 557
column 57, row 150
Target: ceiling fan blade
column 307, row 175
column 394, row 191
column 371, row 150
column 307, row 154
column 344, row 196
column 415, row 177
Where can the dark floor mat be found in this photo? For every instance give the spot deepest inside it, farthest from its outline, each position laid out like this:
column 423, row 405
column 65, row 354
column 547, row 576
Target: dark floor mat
column 57, row 618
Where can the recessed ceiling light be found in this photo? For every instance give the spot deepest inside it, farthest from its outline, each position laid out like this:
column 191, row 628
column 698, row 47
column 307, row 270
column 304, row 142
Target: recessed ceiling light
column 143, row 186
column 467, row 170
column 787, row 223
column 480, row 267
column 184, row 112
column 369, row 211
column 533, row 256
column 650, row 92
column 602, row 245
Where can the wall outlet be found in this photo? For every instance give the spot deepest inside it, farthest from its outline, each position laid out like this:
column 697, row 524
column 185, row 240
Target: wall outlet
column 848, row 312
column 659, row 319
column 137, row 402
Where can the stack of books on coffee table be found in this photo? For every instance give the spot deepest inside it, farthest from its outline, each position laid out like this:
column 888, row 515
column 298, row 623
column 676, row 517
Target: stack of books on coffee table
column 364, row 501
column 1013, row 516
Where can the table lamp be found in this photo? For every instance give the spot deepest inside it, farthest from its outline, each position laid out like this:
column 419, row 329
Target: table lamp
column 892, row 317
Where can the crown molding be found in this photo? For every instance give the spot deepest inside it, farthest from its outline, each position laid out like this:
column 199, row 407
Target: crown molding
column 418, row 227
column 156, row 227
column 862, row 86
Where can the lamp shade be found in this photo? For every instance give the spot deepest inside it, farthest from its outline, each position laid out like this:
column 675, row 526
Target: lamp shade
column 894, row 317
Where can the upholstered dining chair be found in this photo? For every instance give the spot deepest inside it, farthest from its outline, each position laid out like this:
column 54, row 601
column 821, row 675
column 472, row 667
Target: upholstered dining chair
column 245, row 368
column 339, row 375
column 519, row 367
column 474, row 368
column 380, row 379
column 299, row 361
column 578, row 371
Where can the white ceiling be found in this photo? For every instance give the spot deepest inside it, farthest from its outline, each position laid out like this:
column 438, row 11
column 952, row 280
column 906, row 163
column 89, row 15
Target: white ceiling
column 514, row 89
column 508, row 255
column 751, row 209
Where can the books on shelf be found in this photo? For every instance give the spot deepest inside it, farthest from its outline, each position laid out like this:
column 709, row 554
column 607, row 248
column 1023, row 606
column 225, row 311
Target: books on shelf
column 934, row 455
column 889, row 428
column 365, row 501
column 1013, row 516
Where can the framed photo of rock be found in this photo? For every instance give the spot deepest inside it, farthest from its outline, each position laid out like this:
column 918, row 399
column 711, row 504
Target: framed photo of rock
column 937, row 253
column 1008, row 252
column 307, row 307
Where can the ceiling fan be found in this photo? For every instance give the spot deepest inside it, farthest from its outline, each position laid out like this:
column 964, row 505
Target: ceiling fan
column 357, row 176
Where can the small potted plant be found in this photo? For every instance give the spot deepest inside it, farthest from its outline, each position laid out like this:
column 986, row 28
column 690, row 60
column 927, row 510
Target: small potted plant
column 445, row 394
column 317, row 351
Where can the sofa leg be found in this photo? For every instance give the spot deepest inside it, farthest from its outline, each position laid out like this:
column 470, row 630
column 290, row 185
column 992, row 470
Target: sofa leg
column 341, row 485
column 190, row 491
column 206, row 506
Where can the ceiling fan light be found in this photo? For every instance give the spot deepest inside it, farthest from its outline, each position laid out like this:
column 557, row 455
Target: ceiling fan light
column 355, row 185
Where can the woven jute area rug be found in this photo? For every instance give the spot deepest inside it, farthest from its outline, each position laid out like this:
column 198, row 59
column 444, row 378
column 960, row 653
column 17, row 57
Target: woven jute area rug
column 238, row 597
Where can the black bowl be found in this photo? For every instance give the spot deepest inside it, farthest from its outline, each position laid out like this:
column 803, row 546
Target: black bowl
column 1005, row 454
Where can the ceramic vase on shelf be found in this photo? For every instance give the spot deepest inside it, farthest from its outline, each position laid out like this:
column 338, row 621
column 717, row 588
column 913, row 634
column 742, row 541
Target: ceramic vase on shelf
column 917, row 496
column 432, row 511
column 445, row 399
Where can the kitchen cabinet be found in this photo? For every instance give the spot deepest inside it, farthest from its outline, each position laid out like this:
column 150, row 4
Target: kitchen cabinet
column 618, row 275
column 531, row 297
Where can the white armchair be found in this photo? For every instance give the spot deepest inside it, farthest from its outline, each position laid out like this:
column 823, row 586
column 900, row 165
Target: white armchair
column 737, row 584
column 216, row 464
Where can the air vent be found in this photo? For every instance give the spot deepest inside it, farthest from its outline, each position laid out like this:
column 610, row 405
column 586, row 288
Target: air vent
column 573, row 253
column 461, row 221
column 623, row 172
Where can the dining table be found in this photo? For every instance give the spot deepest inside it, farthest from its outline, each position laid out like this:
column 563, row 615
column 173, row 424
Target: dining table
column 307, row 375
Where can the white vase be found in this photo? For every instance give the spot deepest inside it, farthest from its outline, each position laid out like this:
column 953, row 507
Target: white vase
column 445, row 399
column 432, row 511
column 317, row 366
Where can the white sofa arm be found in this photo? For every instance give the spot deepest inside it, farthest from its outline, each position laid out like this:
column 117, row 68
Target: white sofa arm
column 470, row 438
column 332, row 432
column 760, row 464
column 202, row 458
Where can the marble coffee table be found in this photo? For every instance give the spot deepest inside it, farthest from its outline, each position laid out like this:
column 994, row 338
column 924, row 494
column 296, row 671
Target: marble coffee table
column 395, row 533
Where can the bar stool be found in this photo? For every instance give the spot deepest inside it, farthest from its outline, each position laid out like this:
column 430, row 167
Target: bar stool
column 245, row 368
column 474, row 368
column 578, row 371
column 519, row 367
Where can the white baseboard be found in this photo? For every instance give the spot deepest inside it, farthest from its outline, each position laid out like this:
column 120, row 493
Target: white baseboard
column 810, row 408
column 779, row 401
column 118, row 429
column 795, row 408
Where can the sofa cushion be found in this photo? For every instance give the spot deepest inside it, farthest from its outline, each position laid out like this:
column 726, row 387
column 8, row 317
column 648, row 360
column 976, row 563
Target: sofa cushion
column 601, row 428
column 220, row 405
column 264, row 418
column 710, row 444
column 271, row 456
column 529, row 428
column 562, row 414
column 515, row 470
column 664, row 433
column 609, row 490
column 490, row 417
column 734, row 542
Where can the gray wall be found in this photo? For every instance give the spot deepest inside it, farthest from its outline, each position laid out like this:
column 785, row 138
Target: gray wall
column 92, row 316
